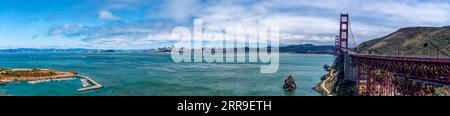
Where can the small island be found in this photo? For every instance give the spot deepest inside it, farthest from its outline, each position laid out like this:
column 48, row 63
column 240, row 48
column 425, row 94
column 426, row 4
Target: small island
column 11, row 75
column 19, row 74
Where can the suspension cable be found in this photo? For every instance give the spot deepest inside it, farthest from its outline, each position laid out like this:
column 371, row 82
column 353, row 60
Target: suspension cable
column 436, row 47
column 351, row 32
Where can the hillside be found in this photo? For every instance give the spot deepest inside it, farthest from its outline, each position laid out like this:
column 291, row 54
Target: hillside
column 308, row 49
column 416, row 41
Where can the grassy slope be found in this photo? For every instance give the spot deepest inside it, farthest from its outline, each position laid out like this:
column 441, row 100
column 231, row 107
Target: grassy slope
column 410, row 41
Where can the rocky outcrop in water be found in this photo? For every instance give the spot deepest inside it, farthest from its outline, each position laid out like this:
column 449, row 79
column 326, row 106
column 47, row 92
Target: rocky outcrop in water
column 289, row 83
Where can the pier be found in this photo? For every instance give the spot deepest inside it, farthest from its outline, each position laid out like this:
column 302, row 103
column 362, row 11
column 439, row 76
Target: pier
column 95, row 84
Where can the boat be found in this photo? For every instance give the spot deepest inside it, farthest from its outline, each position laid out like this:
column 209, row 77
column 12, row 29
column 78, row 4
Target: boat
column 39, row 81
column 84, row 82
column 63, row 79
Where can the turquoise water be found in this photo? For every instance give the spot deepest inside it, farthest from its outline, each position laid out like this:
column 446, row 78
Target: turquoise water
column 125, row 74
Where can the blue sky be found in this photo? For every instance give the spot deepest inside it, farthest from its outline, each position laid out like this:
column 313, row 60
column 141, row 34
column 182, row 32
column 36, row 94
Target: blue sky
column 137, row 24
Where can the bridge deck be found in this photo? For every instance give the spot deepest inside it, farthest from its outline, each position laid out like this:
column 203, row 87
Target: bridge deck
column 400, row 58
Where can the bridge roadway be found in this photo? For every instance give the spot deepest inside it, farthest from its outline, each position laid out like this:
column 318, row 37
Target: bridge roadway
column 400, row 58
column 426, row 68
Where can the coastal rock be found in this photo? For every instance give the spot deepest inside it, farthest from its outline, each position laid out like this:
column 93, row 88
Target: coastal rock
column 326, row 68
column 73, row 72
column 3, row 82
column 323, row 77
column 289, row 83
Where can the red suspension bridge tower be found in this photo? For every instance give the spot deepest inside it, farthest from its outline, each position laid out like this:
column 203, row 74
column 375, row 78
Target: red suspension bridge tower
column 342, row 39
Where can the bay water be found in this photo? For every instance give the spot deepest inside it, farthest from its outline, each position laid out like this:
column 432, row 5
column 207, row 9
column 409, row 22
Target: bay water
column 154, row 74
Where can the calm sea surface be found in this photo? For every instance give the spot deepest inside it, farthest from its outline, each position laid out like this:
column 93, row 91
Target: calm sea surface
column 156, row 75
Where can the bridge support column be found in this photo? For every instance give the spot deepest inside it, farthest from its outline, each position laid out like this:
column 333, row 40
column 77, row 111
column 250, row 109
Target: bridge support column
column 349, row 68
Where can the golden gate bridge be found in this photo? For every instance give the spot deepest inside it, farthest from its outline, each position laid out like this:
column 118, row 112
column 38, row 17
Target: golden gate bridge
column 379, row 75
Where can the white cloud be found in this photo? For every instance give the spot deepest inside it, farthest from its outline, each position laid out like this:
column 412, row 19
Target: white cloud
column 107, row 15
column 300, row 21
column 294, row 28
column 418, row 13
column 68, row 30
column 181, row 9
column 317, row 21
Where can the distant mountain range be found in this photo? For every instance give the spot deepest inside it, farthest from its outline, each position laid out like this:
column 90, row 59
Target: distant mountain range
column 303, row 48
column 53, row 50
column 46, row 50
column 308, row 49
column 415, row 41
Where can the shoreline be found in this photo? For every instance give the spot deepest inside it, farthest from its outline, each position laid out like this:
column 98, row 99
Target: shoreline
column 7, row 78
column 15, row 75
column 321, row 87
